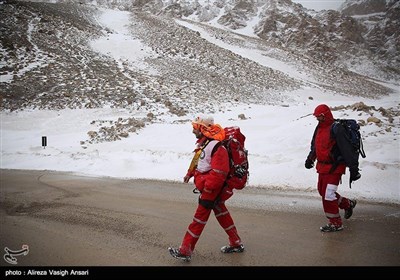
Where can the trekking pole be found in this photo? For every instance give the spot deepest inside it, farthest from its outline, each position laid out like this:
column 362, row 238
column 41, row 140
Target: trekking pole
column 304, row 116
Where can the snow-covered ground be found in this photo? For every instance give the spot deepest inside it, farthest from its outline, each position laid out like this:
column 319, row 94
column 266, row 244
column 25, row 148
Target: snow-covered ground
column 278, row 137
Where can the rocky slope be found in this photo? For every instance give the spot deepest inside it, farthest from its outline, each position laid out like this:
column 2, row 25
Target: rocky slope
column 45, row 48
column 47, row 61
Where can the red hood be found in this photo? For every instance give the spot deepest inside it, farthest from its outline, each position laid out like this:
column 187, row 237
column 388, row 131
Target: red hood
column 326, row 111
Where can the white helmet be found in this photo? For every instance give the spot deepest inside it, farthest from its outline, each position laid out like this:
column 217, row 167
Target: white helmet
column 204, row 120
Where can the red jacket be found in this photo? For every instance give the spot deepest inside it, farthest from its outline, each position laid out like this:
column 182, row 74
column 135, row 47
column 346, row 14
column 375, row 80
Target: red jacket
column 322, row 144
column 212, row 181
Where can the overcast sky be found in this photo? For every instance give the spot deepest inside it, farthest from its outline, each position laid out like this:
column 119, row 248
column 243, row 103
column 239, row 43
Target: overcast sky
column 320, row 4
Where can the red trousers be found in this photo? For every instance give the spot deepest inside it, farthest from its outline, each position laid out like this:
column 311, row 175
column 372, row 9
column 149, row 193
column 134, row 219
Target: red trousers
column 332, row 201
column 200, row 219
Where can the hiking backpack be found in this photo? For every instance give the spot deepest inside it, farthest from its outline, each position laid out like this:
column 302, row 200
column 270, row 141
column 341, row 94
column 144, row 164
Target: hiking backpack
column 353, row 136
column 238, row 158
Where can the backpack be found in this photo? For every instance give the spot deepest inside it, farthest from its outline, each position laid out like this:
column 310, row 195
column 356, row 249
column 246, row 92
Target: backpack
column 351, row 144
column 353, row 134
column 238, row 158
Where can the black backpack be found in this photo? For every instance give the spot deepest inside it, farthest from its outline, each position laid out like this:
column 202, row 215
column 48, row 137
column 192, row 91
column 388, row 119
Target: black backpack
column 353, row 134
column 351, row 145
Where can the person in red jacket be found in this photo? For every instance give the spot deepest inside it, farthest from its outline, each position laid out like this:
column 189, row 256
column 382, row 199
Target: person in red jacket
column 329, row 172
column 209, row 167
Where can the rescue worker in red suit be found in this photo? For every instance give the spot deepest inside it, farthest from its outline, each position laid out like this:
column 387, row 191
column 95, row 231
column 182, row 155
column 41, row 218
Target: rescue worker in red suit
column 329, row 172
column 209, row 170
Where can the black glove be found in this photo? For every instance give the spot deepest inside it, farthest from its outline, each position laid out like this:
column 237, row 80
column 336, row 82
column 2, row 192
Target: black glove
column 309, row 163
column 354, row 174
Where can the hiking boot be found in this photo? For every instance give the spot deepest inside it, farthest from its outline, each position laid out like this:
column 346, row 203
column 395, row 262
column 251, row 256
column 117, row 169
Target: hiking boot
column 331, row 228
column 349, row 212
column 178, row 255
column 232, row 249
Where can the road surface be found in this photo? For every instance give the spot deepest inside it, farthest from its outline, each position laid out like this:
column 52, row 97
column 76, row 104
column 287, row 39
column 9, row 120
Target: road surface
column 75, row 220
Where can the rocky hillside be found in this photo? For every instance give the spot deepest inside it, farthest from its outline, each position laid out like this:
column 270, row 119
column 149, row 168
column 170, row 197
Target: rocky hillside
column 339, row 37
column 380, row 21
column 47, row 61
column 45, row 49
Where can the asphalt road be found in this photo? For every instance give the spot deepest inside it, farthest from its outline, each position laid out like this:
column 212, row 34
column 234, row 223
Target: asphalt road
column 73, row 220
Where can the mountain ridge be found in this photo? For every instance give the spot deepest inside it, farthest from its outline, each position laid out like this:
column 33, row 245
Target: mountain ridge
column 50, row 64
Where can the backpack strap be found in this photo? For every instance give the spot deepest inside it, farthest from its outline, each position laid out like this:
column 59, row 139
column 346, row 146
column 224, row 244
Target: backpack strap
column 362, row 152
column 216, row 148
column 334, row 130
column 196, row 156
